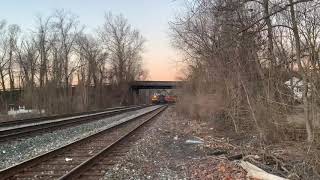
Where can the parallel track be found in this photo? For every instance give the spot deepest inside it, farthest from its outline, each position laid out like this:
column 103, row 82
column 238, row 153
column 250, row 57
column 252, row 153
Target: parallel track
column 70, row 161
column 35, row 129
column 10, row 123
column 97, row 166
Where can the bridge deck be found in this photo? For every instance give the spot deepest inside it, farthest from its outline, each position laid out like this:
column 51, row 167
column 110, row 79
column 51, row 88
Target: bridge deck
column 154, row 84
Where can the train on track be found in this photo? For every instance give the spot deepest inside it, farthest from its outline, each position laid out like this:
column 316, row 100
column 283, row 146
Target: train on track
column 160, row 98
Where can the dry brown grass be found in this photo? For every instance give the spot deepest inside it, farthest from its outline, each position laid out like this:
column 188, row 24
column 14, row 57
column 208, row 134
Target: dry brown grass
column 200, row 106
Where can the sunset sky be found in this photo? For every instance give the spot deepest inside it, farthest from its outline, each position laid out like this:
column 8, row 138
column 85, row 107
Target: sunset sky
column 151, row 17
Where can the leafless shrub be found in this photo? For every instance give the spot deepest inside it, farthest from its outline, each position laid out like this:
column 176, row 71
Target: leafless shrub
column 233, row 52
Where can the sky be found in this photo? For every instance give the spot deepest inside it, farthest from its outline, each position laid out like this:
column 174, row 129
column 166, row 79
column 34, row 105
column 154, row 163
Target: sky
column 150, row 17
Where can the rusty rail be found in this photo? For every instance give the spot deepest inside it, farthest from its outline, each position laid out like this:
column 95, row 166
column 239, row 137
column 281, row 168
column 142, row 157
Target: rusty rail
column 30, row 130
column 69, row 161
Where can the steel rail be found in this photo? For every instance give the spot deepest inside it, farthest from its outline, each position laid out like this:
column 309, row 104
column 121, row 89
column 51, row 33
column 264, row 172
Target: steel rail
column 10, row 172
column 52, row 117
column 14, row 133
column 77, row 171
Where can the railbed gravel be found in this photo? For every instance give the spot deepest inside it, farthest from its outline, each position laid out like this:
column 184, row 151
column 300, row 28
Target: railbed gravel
column 20, row 150
column 162, row 153
column 44, row 121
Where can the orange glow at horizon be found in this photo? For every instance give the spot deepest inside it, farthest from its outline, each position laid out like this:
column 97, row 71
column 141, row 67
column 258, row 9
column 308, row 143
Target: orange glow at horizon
column 160, row 60
column 161, row 66
column 161, row 73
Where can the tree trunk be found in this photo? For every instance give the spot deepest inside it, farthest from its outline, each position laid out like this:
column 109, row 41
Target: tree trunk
column 2, row 81
column 302, row 72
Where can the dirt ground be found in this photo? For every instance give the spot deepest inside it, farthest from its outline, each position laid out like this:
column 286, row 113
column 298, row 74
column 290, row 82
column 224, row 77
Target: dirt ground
column 165, row 152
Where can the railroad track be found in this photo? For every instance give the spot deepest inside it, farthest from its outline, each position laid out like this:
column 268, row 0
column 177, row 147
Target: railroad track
column 74, row 160
column 36, row 126
column 6, row 124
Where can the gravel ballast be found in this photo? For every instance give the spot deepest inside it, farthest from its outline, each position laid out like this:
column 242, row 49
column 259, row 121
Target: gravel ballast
column 172, row 148
column 20, row 150
column 49, row 121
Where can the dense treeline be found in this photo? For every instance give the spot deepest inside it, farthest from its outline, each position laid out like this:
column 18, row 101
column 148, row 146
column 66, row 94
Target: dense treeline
column 58, row 53
column 240, row 54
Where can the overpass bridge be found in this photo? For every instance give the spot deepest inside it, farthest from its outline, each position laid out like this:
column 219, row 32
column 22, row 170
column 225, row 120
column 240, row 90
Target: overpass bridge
column 154, row 84
column 136, row 90
column 136, row 87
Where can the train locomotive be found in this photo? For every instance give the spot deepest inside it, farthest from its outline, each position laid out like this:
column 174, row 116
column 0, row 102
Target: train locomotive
column 159, row 98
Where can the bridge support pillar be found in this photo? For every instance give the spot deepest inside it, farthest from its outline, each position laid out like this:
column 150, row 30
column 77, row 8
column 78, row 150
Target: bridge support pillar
column 136, row 96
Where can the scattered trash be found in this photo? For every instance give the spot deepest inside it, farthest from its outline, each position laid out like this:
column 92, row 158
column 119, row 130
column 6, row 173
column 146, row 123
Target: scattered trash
column 216, row 152
column 195, row 140
column 235, row 157
column 189, row 141
column 256, row 157
column 257, row 173
column 175, row 138
column 68, row 159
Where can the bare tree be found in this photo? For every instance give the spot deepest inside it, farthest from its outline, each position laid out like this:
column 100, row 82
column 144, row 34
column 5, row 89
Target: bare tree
column 43, row 41
column 65, row 25
column 3, row 53
column 47, row 61
column 94, row 62
column 13, row 31
column 233, row 46
column 27, row 55
column 124, row 45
